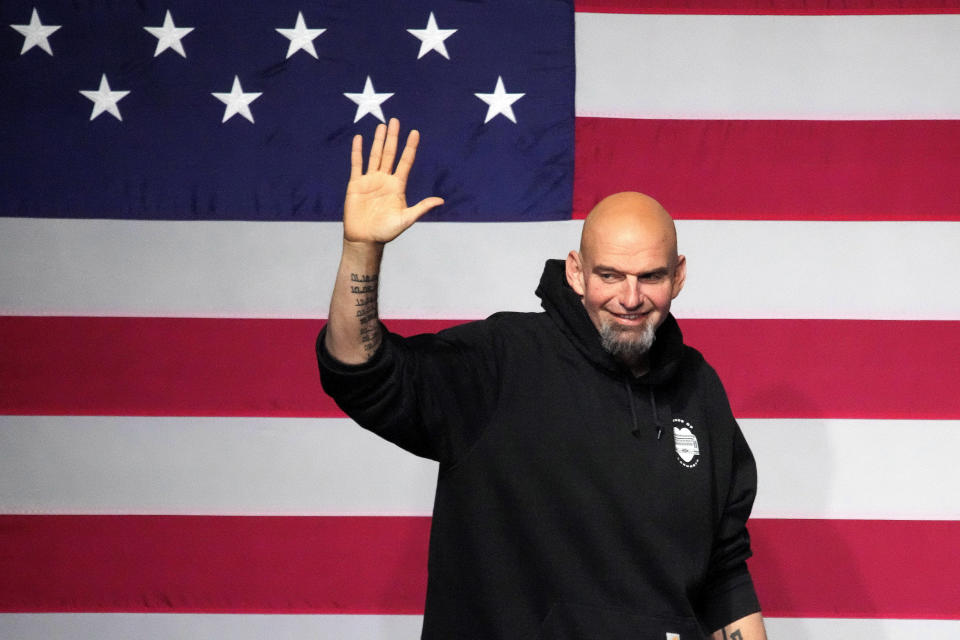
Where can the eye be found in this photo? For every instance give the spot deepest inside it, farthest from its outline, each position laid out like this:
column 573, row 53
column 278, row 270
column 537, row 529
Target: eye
column 654, row 277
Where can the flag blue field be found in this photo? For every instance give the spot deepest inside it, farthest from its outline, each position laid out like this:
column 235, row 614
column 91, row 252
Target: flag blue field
column 231, row 111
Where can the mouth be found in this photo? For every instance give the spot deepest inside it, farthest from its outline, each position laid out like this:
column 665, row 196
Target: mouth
column 630, row 319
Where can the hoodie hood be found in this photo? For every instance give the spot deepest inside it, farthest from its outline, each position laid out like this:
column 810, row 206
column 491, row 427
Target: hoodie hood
column 565, row 308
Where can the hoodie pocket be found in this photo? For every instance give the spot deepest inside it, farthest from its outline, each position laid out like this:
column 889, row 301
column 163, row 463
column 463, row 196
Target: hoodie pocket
column 567, row 621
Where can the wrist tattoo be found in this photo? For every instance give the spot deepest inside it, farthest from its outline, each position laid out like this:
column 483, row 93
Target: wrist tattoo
column 365, row 300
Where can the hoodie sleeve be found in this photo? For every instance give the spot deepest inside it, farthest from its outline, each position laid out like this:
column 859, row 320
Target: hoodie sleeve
column 429, row 394
column 728, row 593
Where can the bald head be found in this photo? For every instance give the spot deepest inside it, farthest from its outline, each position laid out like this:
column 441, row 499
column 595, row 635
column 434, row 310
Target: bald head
column 629, row 219
column 627, row 272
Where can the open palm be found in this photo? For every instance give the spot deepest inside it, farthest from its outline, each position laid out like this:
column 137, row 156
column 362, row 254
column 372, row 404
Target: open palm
column 375, row 209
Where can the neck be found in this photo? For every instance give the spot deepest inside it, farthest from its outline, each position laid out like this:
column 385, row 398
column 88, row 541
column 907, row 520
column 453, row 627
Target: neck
column 638, row 366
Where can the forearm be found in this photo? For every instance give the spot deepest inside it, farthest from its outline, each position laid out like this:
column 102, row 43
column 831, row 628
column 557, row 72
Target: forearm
column 353, row 327
column 375, row 212
column 747, row 628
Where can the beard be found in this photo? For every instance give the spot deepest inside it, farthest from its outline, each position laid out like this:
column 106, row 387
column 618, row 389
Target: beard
column 627, row 345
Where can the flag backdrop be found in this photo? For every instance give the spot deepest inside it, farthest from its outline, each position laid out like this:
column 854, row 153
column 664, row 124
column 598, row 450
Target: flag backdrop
column 171, row 180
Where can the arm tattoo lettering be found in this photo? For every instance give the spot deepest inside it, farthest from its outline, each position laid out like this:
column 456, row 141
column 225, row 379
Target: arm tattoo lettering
column 735, row 635
column 366, row 315
column 366, row 302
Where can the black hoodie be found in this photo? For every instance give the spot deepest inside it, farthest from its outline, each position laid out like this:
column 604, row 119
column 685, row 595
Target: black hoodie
column 574, row 500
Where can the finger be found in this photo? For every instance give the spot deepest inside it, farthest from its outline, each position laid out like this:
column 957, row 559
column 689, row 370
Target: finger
column 390, row 148
column 422, row 207
column 377, row 149
column 356, row 157
column 409, row 154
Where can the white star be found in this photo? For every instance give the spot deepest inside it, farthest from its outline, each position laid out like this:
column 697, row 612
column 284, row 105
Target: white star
column 104, row 99
column 300, row 37
column 36, row 33
column 499, row 102
column 237, row 101
column 168, row 36
column 431, row 38
column 369, row 101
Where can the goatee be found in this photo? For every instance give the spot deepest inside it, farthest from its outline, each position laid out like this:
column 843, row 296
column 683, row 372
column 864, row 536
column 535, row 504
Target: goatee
column 628, row 346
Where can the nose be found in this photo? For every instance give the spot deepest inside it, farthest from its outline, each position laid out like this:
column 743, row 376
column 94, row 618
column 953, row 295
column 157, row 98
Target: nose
column 631, row 297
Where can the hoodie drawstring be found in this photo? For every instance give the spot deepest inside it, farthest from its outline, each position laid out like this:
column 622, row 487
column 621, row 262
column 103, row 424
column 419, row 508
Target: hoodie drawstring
column 656, row 414
column 633, row 411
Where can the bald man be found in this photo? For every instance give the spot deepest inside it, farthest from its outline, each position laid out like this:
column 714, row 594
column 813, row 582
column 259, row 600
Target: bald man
column 593, row 482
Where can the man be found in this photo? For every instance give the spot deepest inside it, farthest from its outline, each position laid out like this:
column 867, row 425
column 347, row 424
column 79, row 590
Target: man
column 593, row 482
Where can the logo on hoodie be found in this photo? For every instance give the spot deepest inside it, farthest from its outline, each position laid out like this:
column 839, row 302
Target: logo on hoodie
column 688, row 449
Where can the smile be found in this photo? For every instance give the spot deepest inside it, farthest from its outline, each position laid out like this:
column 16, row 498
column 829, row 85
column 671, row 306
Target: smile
column 630, row 318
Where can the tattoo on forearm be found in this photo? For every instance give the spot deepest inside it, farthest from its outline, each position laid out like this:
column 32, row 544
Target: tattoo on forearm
column 366, row 314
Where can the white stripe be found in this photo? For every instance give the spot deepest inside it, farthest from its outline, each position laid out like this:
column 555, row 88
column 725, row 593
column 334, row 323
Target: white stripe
column 883, row 469
column 861, row 629
column 768, row 67
column 856, row 469
column 172, row 626
column 215, row 466
column 855, row 270
column 736, row 269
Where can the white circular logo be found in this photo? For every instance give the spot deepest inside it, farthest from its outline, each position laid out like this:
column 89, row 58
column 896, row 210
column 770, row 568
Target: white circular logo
column 688, row 449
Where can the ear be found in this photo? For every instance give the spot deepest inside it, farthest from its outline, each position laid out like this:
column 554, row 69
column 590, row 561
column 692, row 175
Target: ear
column 679, row 276
column 575, row 272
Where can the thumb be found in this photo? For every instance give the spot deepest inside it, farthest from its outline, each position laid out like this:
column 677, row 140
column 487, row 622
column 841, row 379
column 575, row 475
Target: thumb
column 422, row 207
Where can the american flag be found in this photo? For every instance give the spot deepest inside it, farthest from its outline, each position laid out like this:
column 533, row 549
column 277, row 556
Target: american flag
column 171, row 184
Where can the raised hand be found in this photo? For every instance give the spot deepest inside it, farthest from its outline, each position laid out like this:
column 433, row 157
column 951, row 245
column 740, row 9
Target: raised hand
column 375, row 209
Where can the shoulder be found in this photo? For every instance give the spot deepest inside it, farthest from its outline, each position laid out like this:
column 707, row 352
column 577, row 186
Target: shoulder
column 700, row 385
column 499, row 326
column 694, row 365
column 493, row 339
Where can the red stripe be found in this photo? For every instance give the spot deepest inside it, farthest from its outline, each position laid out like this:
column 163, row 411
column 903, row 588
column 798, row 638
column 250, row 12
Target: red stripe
column 834, row 368
column 213, row 564
column 165, row 366
column 774, row 169
column 770, row 7
column 802, row 568
column 857, row 568
column 244, row 367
